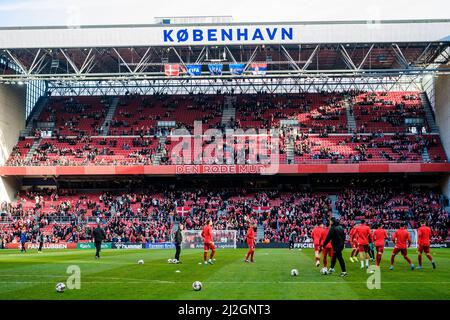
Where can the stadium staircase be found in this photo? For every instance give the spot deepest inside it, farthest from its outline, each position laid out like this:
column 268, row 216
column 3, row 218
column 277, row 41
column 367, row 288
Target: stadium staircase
column 158, row 155
column 109, row 116
column 229, row 111
column 334, row 211
column 260, row 232
column 290, row 150
column 425, row 155
column 351, row 123
column 34, row 116
column 33, row 148
column 429, row 113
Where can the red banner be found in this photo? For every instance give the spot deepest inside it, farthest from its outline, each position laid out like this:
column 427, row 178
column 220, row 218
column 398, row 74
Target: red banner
column 224, row 169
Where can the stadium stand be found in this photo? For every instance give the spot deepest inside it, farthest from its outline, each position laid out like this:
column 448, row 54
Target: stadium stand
column 141, row 132
column 319, row 136
column 68, row 215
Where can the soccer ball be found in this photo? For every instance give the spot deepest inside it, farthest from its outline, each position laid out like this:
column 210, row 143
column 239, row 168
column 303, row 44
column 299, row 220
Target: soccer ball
column 324, row 271
column 141, row 261
column 169, row 260
column 60, row 287
column 294, row 272
column 197, row 286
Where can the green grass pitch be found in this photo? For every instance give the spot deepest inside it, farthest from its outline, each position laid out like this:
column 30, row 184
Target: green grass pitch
column 118, row 276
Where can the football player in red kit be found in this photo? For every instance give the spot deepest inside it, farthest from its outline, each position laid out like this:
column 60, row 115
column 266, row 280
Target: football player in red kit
column 402, row 240
column 328, row 249
column 208, row 242
column 379, row 237
column 251, row 242
column 363, row 236
column 316, row 235
column 424, row 235
column 354, row 244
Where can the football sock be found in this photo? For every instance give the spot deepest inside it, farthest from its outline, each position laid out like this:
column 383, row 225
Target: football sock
column 419, row 257
column 378, row 258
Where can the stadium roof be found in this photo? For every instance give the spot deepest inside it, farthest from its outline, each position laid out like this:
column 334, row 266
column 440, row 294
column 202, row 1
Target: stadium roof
column 290, row 49
column 312, row 32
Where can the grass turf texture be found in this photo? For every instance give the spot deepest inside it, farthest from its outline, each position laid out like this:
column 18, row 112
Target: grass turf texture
column 117, row 275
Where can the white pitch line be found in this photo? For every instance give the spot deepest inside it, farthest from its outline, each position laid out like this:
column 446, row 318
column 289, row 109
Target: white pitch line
column 84, row 282
column 32, row 275
column 137, row 281
column 125, row 280
column 218, row 282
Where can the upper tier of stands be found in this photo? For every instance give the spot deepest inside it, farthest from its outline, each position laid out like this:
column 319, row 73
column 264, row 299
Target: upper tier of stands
column 316, row 127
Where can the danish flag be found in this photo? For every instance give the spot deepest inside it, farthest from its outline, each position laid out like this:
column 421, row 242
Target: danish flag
column 261, row 209
column 183, row 211
column 172, row 70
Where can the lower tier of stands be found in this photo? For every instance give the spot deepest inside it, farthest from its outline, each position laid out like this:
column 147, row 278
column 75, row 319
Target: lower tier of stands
column 150, row 216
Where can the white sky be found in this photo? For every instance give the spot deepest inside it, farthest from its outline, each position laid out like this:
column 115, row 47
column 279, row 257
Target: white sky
column 90, row 12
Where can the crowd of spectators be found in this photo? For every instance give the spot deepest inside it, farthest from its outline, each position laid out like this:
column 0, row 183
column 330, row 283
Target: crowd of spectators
column 75, row 116
column 68, row 151
column 398, row 147
column 392, row 207
column 149, row 216
column 264, row 111
column 139, row 115
column 384, row 110
column 373, row 147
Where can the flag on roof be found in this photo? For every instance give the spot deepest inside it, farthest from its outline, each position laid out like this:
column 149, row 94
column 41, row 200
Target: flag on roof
column 259, row 68
column 172, row 69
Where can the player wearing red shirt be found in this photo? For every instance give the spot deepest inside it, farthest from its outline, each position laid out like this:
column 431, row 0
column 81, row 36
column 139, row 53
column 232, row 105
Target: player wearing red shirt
column 354, row 244
column 424, row 236
column 379, row 237
column 363, row 236
column 251, row 243
column 328, row 249
column 316, row 235
column 402, row 240
column 208, row 242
